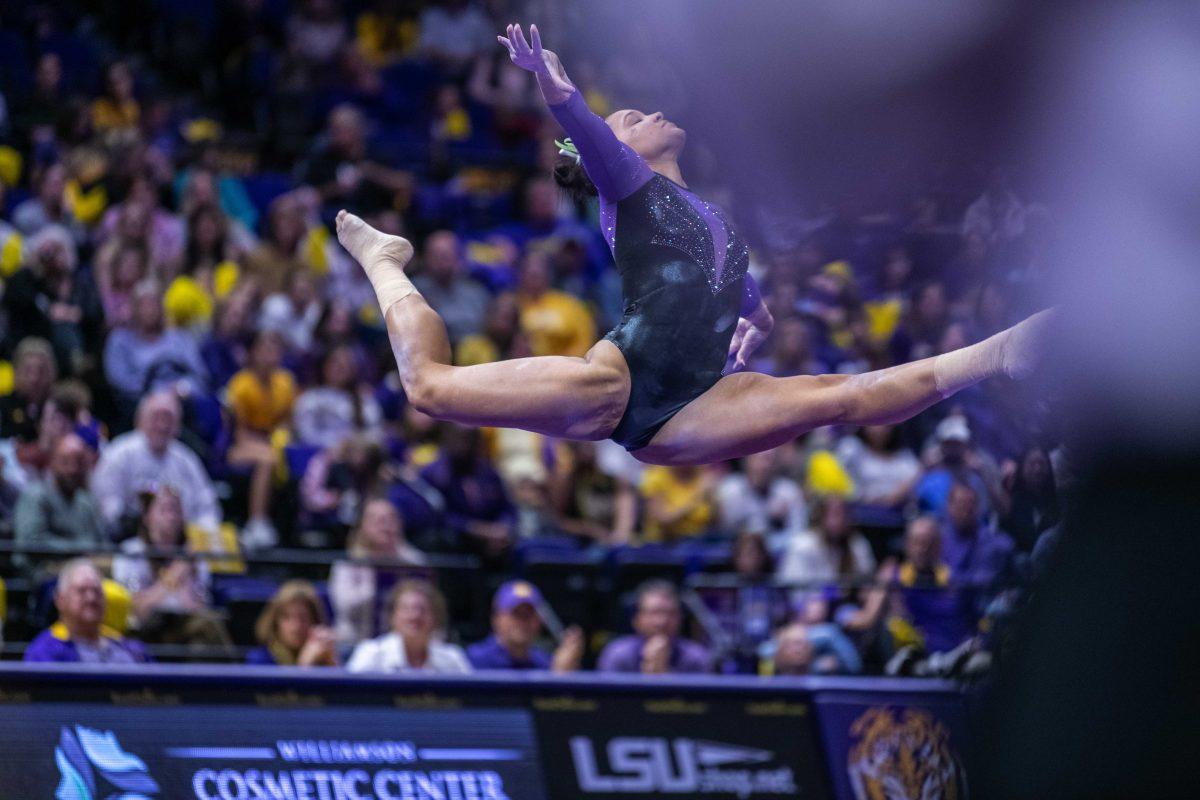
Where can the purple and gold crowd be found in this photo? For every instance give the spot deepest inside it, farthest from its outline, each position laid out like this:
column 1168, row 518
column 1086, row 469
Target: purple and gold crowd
column 196, row 389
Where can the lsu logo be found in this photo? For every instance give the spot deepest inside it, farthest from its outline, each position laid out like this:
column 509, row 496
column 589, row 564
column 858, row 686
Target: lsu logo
column 92, row 766
column 903, row 756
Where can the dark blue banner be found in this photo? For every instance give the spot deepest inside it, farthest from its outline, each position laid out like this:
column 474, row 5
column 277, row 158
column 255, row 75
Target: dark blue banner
column 73, row 751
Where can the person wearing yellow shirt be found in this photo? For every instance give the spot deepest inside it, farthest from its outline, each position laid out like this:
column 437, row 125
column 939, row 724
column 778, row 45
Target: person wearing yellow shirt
column 260, row 398
column 679, row 502
column 117, row 113
column 556, row 323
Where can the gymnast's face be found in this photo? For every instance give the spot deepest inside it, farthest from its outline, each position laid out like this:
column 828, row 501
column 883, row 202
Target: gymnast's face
column 651, row 136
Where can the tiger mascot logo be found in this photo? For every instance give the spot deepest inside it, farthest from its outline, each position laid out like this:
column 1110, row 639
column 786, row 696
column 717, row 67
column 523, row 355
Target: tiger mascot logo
column 903, row 755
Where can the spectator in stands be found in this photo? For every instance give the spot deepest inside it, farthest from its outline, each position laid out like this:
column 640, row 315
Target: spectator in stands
column 461, row 301
column 337, row 479
column 116, row 113
column 316, row 33
column 79, row 635
column 386, row 32
column 208, row 243
column 141, row 221
column 1033, row 507
column 930, row 605
column 477, row 508
column 48, row 206
column 261, row 397
column 152, row 455
column 119, row 269
column 171, row 594
column 292, row 631
column 977, row 554
column 760, row 499
column 800, row 649
column 339, row 405
column 294, row 313
column 51, row 298
column 830, row 552
column 357, row 585
column 417, row 612
column 279, row 254
column 678, row 502
column 997, row 215
column 24, row 463
column 224, row 350
column 148, row 354
column 959, row 463
column 346, row 173
column 884, row 471
column 556, row 323
column 591, row 503
column 516, row 625
column 453, row 32
column 59, row 512
column 501, row 336
column 655, row 646
column 791, row 351
column 34, row 372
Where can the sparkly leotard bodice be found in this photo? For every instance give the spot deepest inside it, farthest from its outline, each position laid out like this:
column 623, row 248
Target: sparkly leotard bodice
column 683, row 277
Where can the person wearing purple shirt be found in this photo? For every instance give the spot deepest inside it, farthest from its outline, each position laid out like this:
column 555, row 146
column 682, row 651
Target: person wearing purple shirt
column 655, row 646
column 661, row 382
column 978, row 555
column 476, row 506
column 80, row 635
column 516, row 623
column 928, row 593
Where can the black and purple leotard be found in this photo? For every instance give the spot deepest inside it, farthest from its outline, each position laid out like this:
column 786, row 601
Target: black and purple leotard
column 683, row 276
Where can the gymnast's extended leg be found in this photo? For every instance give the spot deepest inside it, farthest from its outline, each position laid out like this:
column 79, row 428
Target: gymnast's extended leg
column 576, row 398
column 748, row 412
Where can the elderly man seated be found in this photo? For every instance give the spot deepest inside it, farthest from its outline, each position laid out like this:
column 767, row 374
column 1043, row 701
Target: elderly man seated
column 80, row 635
column 150, row 456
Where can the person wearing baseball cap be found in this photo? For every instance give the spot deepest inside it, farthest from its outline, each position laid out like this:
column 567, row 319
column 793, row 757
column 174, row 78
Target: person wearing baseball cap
column 959, row 462
column 516, row 624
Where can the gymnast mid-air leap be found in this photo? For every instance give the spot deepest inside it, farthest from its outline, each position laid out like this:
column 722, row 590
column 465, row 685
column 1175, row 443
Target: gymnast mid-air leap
column 664, row 382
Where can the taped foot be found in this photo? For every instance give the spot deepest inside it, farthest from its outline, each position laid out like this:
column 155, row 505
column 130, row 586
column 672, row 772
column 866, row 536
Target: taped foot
column 369, row 246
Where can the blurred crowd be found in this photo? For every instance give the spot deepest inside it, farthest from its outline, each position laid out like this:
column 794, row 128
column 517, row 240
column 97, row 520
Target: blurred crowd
column 195, row 378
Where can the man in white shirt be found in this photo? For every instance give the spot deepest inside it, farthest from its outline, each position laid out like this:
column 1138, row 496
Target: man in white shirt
column 151, row 456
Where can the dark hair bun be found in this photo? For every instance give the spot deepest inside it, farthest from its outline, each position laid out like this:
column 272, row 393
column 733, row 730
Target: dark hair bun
column 571, row 176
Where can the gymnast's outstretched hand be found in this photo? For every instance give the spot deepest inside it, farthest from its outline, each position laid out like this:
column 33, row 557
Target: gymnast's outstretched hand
column 747, row 337
column 530, row 55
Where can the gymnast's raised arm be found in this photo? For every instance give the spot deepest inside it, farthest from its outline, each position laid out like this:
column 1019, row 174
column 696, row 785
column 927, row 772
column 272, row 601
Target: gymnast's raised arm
column 615, row 169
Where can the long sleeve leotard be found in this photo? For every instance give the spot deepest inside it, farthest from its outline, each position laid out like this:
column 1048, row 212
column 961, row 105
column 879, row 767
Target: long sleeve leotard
column 683, row 276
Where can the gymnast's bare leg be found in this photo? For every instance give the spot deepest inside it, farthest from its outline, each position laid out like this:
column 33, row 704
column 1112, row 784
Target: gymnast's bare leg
column 584, row 398
column 747, row 412
column 573, row 398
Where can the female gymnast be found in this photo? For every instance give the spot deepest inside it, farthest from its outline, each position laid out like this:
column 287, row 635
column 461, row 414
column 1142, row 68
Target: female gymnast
column 664, row 382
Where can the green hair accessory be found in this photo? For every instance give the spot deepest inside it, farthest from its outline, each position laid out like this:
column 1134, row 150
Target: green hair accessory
column 567, row 148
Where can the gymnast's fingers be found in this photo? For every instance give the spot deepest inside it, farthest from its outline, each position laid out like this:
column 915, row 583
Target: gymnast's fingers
column 536, row 38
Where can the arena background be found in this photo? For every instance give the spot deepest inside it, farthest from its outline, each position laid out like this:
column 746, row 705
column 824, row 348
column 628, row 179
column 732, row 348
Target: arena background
column 853, row 143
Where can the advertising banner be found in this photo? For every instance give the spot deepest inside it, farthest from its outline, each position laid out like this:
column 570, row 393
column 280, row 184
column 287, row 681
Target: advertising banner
column 72, row 751
column 897, row 745
column 618, row 748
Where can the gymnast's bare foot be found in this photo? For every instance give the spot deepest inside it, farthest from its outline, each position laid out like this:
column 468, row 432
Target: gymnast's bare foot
column 371, row 248
column 1026, row 344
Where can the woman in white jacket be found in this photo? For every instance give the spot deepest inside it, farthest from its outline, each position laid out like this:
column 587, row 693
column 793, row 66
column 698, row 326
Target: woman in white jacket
column 418, row 614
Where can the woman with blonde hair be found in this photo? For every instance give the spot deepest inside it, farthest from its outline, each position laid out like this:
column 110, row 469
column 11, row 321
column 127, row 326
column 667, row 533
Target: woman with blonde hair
column 293, row 631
